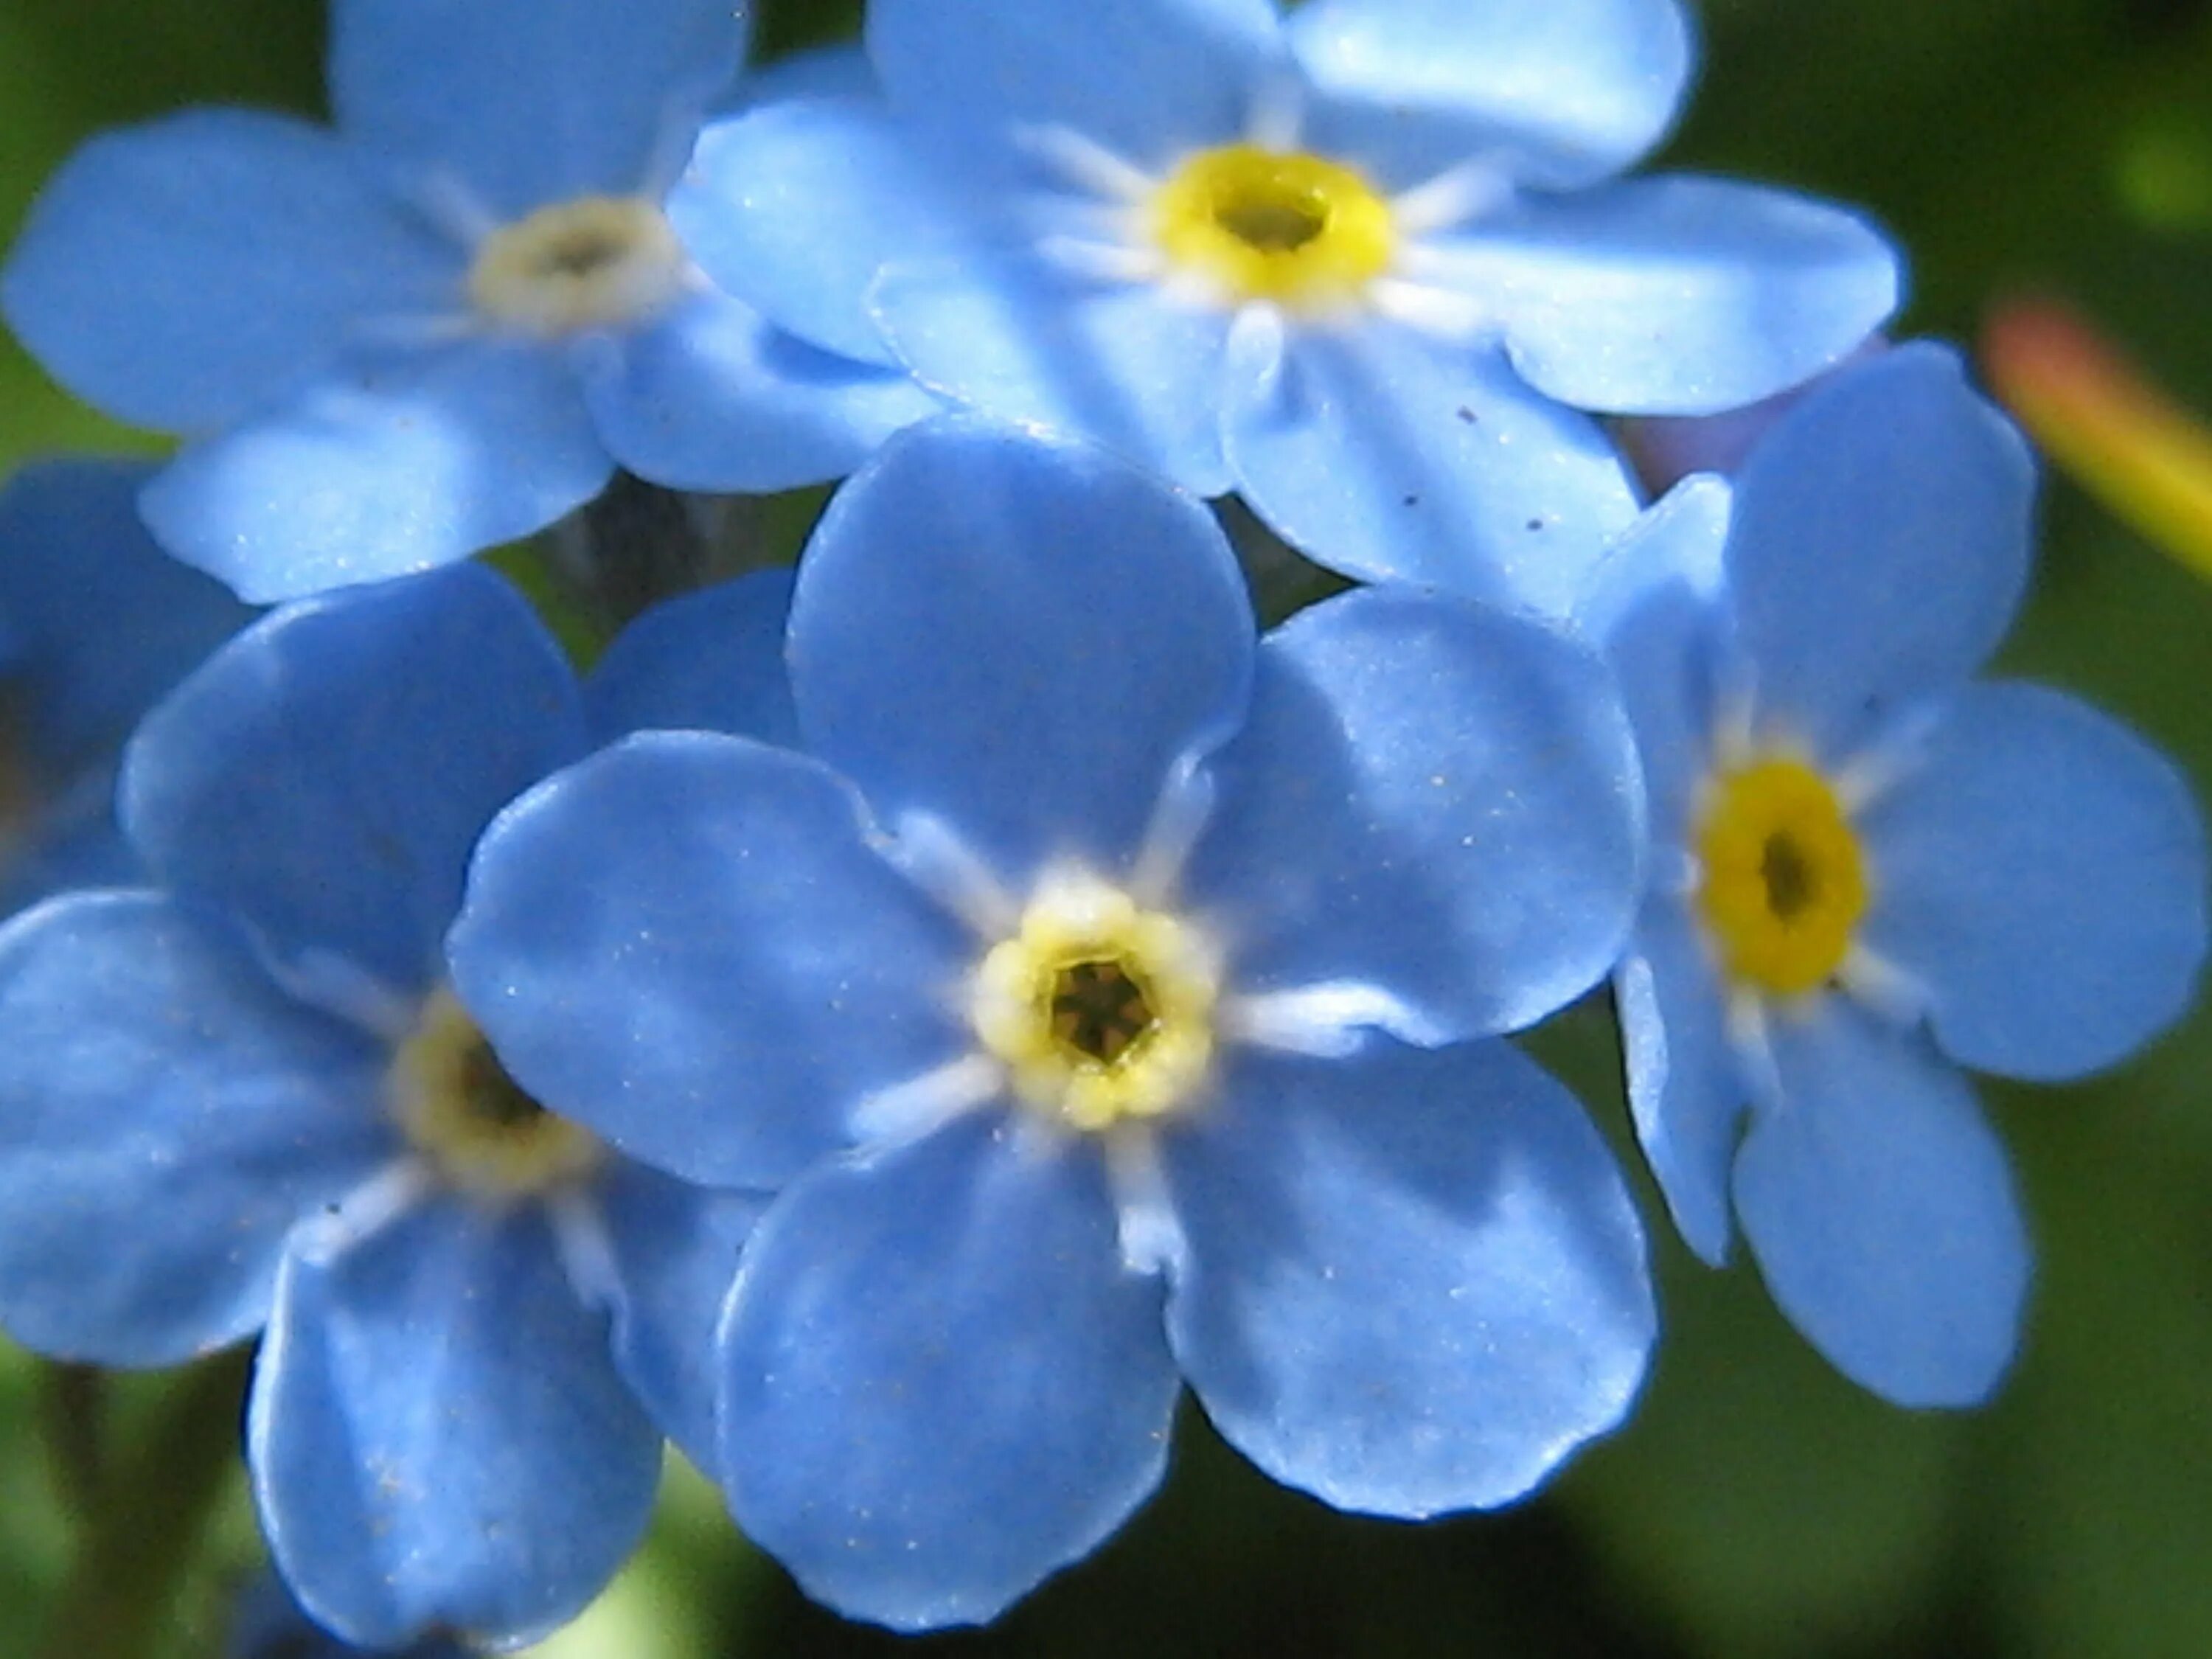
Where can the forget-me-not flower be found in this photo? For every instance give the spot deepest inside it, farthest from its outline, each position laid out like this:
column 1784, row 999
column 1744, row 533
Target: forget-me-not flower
column 1366, row 262
column 1076, row 973
column 1871, row 868
column 249, row 1100
column 440, row 326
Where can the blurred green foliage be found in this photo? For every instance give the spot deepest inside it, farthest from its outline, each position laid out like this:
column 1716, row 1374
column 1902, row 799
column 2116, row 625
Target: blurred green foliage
column 1757, row 1507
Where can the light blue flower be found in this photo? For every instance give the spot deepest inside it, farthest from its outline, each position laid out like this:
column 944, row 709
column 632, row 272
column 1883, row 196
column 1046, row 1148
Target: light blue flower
column 1870, row 866
column 1108, row 985
column 248, row 1101
column 1366, row 263
column 440, row 326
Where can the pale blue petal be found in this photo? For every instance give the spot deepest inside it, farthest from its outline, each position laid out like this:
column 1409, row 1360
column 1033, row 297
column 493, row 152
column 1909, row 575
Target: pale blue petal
column 1018, row 639
column 437, row 1436
column 1685, row 1088
column 68, row 838
column 1880, row 543
column 688, row 943
column 838, row 70
column 1019, row 338
column 713, row 397
column 1393, row 458
column 710, row 661
column 1881, row 1208
column 675, row 1249
column 324, row 777
column 524, row 102
column 1556, row 93
column 166, row 1116
column 2041, row 874
column 940, row 1383
column 1432, row 800
column 179, row 274
column 1415, row 1281
column 1148, row 79
column 386, row 469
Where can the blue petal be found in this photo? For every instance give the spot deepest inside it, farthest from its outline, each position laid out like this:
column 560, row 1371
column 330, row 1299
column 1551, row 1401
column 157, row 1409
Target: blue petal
column 103, row 621
column 1019, row 639
column 1147, row 79
column 166, row 1116
column 1880, row 543
column 675, row 1249
column 714, row 397
column 180, row 273
column 838, row 70
column 794, row 207
column 1393, row 458
column 1684, row 1089
column 1675, row 295
column 1556, row 93
column 1415, row 1281
column 1881, row 1210
column 525, row 102
column 325, row 776
column 2042, row 874
column 707, row 661
column 1122, row 364
column 68, row 838
column 940, row 1383
column 1433, row 801
column 437, row 1438
column 689, row 943
column 384, row 469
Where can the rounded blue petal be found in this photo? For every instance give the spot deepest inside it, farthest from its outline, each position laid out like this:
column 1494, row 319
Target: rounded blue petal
column 675, row 1248
column 166, row 1116
column 1556, row 94
column 268, row 1624
column 437, row 1436
column 524, row 102
column 68, row 838
column 711, row 661
column 690, row 943
column 1019, row 338
column 180, row 274
column 2041, row 874
column 1880, row 1208
column 1880, row 543
column 1415, row 1281
column 714, row 397
column 940, row 1382
column 100, row 621
column 840, row 69
column 1433, row 801
column 1686, row 1089
column 1675, row 296
column 1393, row 458
column 1019, row 639
column 325, row 775
column 391, row 466
column 1147, row 79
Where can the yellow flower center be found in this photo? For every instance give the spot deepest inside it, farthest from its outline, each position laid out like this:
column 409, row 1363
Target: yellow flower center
column 473, row 1123
column 1783, row 882
column 1258, row 224
column 1101, row 1010
column 597, row 262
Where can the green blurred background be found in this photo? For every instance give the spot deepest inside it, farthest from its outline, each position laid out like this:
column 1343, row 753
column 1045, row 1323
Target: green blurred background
column 1756, row 1505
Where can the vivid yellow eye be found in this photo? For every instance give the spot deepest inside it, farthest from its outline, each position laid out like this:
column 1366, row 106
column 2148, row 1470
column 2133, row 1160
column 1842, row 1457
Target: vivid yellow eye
column 1783, row 881
column 474, row 1123
column 1256, row 224
column 1101, row 1010
column 597, row 262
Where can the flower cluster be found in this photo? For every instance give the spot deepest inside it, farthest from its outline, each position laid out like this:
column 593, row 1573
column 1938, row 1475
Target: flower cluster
column 890, row 1026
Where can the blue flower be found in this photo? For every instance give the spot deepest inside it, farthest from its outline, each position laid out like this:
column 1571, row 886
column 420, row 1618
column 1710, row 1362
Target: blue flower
column 1868, row 865
column 96, row 623
column 441, row 325
column 1365, row 263
column 249, row 1099
column 268, row 1624
column 1072, row 976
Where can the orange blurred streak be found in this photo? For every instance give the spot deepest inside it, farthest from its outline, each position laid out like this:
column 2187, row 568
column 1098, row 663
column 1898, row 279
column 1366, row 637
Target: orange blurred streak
column 2103, row 421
